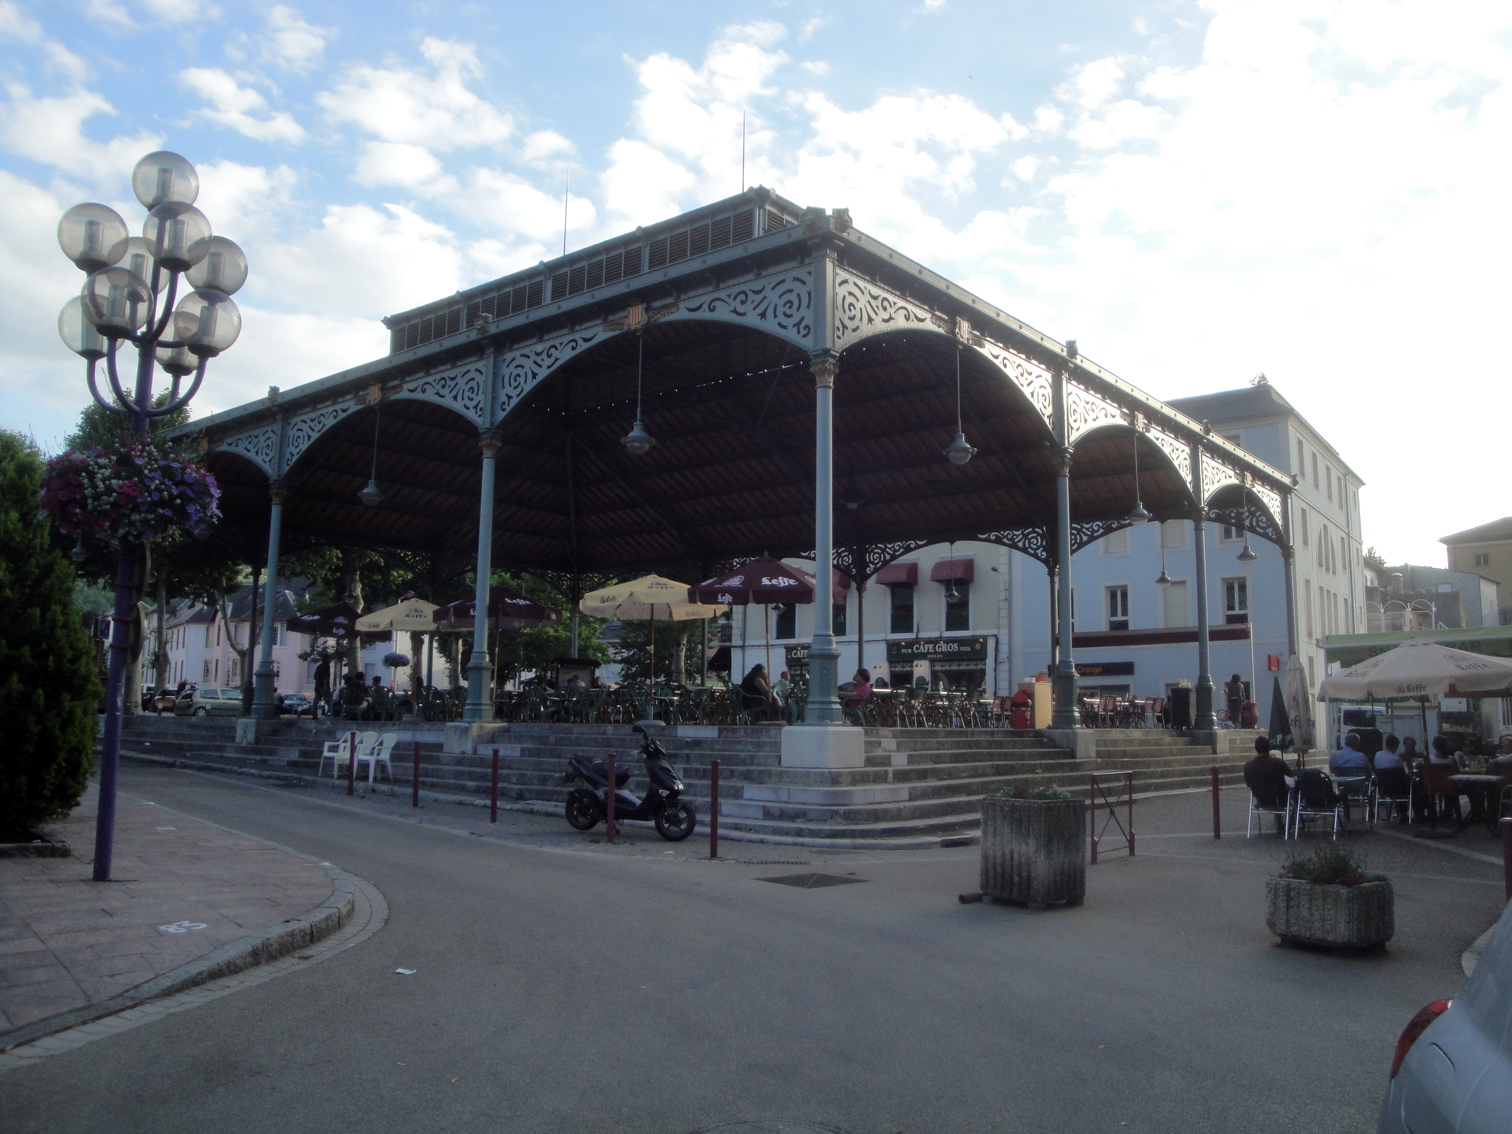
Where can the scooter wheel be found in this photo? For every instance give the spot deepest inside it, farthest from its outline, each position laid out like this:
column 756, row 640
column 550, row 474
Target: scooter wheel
column 582, row 809
column 676, row 823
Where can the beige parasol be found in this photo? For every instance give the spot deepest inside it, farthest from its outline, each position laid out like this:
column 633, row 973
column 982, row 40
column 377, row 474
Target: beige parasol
column 651, row 597
column 413, row 615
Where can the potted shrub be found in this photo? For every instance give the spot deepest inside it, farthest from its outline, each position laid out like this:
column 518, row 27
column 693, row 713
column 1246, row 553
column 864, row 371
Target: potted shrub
column 1327, row 898
column 1034, row 846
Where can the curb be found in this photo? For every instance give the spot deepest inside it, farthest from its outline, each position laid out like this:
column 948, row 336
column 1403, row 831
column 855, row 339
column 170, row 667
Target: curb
column 248, row 952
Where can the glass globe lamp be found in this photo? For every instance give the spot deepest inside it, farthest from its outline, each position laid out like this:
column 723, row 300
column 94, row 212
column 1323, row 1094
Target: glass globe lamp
column 164, row 176
column 138, row 258
column 79, row 333
column 177, row 360
column 223, row 269
column 178, row 235
column 115, row 302
column 92, row 236
column 371, row 496
column 206, row 322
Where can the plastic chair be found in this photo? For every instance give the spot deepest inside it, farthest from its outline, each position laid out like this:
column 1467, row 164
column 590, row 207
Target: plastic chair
column 336, row 751
column 1436, row 784
column 1316, row 799
column 378, row 753
column 1256, row 808
column 1388, row 798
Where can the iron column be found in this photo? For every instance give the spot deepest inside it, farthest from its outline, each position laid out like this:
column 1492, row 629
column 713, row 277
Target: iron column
column 479, row 702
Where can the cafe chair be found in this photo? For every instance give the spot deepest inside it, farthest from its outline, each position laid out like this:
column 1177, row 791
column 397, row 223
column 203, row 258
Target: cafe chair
column 1256, row 808
column 1316, row 799
column 377, row 753
column 337, row 751
column 1391, row 798
column 1438, row 786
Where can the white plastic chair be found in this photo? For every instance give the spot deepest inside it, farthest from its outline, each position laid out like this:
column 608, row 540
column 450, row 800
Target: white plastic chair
column 377, row 753
column 336, row 752
column 1255, row 809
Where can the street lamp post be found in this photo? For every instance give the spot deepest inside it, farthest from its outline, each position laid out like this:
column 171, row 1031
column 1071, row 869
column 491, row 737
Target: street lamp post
column 129, row 298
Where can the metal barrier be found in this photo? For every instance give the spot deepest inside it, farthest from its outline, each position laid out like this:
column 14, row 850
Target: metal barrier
column 1097, row 799
column 714, row 809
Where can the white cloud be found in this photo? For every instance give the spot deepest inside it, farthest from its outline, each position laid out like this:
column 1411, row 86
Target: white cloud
column 542, row 146
column 240, row 108
column 250, row 204
column 397, row 163
column 181, row 11
column 435, row 110
column 109, row 12
column 290, row 41
column 16, row 24
column 50, row 131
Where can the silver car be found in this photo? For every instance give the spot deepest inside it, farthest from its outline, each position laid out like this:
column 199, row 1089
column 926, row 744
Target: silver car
column 1452, row 1073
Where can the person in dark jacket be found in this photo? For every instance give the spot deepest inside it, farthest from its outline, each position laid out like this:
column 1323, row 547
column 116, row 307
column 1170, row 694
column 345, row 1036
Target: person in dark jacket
column 1265, row 776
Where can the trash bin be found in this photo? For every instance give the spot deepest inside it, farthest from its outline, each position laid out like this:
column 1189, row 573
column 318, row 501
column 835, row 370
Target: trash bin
column 1179, row 707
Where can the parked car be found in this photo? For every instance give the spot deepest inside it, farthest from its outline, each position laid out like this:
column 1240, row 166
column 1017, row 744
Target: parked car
column 208, row 702
column 295, row 704
column 1452, row 1073
column 163, row 701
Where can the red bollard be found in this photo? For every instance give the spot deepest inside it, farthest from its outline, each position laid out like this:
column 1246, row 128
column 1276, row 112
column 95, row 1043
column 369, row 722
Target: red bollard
column 351, row 763
column 1217, row 829
column 415, row 781
column 714, row 809
column 493, row 791
column 609, row 802
column 1506, row 833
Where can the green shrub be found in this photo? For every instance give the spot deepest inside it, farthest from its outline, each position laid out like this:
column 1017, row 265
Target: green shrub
column 49, row 693
column 1044, row 791
column 1331, row 865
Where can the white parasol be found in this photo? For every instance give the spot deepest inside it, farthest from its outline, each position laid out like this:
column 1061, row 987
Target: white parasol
column 1419, row 668
column 1299, row 704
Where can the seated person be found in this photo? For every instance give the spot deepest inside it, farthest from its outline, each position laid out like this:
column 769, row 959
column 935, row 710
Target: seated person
column 1316, row 790
column 784, row 684
column 756, row 694
column 1349, row 763
column 1265, row 776
column 860, row 689
column 1501, row 759
column 1390, row 773
column 1439, row 757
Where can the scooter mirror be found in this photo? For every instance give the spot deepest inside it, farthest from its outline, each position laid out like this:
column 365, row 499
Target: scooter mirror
column 642, row 727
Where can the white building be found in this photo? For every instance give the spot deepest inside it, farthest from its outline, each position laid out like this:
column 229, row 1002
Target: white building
column 976, row 615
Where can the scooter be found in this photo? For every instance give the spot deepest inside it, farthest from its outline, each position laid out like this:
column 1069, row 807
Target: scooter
column 674, row 817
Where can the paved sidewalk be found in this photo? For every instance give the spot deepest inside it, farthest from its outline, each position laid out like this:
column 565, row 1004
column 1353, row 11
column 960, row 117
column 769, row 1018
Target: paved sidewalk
column 183, row 890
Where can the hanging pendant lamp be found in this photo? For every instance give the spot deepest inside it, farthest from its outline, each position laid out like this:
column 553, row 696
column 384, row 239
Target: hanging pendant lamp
column 638, row 442
column 371, row 495
column 958, row 452
column 1138, row 516
column 1165, row 580
column 1247, row 554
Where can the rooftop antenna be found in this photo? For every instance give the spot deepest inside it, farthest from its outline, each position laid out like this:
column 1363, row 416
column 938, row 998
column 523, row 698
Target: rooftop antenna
column 566, row 196
column 742, row 150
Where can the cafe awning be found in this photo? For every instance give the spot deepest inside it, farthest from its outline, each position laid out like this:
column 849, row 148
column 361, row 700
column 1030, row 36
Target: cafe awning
column 898, row 575
column 1351, row 649
column 953, row 570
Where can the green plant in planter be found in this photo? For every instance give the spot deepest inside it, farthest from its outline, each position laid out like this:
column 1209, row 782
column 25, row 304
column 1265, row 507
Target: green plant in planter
column 1329, row 898
column 1019, row 791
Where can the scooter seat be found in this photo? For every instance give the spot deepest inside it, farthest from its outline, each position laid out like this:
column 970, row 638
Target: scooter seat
column 600, row 770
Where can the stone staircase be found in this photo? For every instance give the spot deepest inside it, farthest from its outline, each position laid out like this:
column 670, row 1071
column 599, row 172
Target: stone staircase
column 918, row 787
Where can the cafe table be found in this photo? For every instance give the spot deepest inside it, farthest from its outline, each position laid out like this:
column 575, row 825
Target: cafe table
column 1481, row 789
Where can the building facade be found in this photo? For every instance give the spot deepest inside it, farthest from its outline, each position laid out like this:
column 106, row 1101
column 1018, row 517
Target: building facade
column 1487, row 551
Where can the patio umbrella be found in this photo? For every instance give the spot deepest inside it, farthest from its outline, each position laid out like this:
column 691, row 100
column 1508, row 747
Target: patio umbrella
column 508, row 609
column 338, row 621
column 1299, row 705
column 1419, row 668
column 763, row 580
column 650, row 597
column 1280, row 721
column 413, row 615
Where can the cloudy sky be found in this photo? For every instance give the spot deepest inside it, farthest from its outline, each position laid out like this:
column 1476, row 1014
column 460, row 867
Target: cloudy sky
column 1196, row 191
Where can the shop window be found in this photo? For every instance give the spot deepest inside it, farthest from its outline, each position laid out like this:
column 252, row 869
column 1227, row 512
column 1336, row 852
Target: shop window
column 902, row 610
column 1235, row 601
column 958, row 612
column 1118, row 608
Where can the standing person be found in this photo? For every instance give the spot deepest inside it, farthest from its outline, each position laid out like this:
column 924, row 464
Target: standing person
column 322, row 686
column 1233, row 689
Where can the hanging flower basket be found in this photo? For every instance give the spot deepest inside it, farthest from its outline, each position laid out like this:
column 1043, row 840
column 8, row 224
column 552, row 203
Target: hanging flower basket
column 136, row 494
column 396, row 661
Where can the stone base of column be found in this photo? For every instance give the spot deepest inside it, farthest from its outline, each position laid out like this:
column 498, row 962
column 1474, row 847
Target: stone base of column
column 463, row 738
column 823, row 746
column 1082, row 742
column 252, row 730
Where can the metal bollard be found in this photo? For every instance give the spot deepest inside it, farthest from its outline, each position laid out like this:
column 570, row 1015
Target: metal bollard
column 351, row 763
column 714, row 809
column 1217, row 829
column 493, row 790
column 1506, row 834
column 415, row 780
column 609, row 802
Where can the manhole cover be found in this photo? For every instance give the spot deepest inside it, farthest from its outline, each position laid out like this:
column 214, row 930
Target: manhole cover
column 809, row 882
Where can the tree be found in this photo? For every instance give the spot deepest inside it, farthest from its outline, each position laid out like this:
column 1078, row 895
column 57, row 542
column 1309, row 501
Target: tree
column 1374, row 560
column 49, row 693
column 675, row 643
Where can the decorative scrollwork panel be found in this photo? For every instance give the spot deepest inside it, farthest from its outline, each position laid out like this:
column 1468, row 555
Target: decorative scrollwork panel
column 782, row 306
column 304, row 429
column 862, row 308
column 1179, row 451
column 260, row 446
column 1252, row 517
column 1086, row 411
column 1033, row 542
column 522, row 370
column 1215, row 474
column 462, row 388
column 1030, row 377
column 1085, row 534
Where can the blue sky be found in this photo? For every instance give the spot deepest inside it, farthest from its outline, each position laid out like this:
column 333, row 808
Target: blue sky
column 1195, row 191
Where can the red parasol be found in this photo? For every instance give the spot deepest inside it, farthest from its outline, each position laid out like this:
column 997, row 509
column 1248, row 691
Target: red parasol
column 507, row 610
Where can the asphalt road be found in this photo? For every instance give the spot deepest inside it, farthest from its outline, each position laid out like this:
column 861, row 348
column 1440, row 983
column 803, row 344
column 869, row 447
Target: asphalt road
column 566, row 985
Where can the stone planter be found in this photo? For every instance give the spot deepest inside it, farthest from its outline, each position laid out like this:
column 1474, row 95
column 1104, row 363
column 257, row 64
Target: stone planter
column 1345, row 917
column 1034, row 851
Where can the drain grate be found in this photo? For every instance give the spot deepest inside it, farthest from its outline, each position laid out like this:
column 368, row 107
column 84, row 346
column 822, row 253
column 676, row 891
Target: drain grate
column 811, row 881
